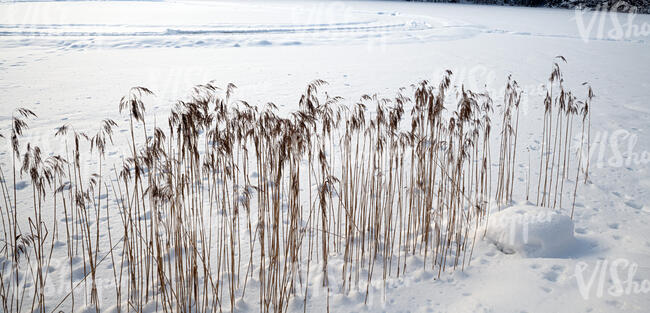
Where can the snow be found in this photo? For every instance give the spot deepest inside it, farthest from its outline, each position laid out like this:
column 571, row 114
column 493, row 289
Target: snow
column 72, row 61
column 532, row 231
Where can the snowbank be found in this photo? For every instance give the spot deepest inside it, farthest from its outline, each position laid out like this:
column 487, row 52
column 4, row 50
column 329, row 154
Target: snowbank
column 531, row 231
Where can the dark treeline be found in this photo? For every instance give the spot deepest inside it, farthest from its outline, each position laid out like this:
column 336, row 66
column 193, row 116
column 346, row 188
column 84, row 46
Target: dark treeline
column 631, row 6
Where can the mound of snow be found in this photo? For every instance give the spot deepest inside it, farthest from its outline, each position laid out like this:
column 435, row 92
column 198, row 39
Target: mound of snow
column 531, row 231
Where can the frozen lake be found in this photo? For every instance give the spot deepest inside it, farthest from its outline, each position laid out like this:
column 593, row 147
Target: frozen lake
column 91, row 52
column 71, row 62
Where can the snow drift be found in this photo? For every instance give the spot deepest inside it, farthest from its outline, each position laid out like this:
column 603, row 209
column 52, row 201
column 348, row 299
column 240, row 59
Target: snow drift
column 532, row 231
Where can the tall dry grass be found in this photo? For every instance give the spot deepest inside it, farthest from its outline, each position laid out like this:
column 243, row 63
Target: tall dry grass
column 226, row 197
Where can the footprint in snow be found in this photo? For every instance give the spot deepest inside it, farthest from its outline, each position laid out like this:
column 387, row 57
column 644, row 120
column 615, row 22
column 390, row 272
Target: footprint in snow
column 550, row 276
column 21, row 185
column 633, row 204
column 554, row 273
column 614, row 303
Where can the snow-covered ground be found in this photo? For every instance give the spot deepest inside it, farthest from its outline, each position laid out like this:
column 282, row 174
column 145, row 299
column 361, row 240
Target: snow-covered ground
column 71, row 62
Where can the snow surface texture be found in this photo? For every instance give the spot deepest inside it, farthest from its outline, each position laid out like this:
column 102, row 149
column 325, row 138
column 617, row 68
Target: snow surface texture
column 71, row 62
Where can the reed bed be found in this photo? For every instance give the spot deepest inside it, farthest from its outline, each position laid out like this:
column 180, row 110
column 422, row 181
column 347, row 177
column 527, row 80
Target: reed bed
column 226, row 198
